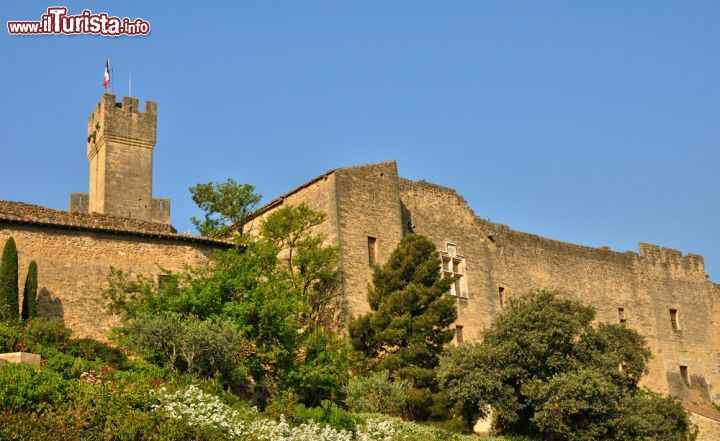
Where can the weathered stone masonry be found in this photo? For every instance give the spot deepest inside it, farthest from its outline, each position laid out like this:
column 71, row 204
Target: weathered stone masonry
column 74, row 253
column 496, row 263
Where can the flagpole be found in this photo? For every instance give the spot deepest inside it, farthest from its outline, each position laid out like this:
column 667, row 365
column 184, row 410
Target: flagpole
column 130, row 85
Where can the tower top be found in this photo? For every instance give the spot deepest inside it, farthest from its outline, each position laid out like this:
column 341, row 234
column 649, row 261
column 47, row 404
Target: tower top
column 120, row 144
column 110, row 119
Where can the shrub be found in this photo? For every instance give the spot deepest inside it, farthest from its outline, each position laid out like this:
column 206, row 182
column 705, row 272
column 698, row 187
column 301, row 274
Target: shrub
column 328, row 413
column 48, row 331
column 324, row 370
column 27, row 387
column 94, row 350
column 57, row 361
column 377, row 394
column 10, row 336
column 200, row 347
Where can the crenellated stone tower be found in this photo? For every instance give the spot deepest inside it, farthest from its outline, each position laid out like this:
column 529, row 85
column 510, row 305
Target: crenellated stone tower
column 120, row 145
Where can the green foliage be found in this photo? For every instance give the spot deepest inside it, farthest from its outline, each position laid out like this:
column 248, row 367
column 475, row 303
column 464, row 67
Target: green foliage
column 311, row 266
column 275, row 291
column 226, row 205
column 409, row 323
column 29, row 304
column 131, row 297
column 328, row 413
column 544, row 369
column 649, row 416
column 93, row 350
column 48, row 331
column 27, row 387
column 188, row 344
column 9, row 306
column 10, row 336
column 377, row 393
column 324, row 370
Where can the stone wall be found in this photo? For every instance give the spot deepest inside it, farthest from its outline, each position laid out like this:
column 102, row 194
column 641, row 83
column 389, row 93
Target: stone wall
column 498, row 262
column 646, row 285
column 708, row 428
column 73, row 266
column 318, row 194
column 359, row 202
column 369, row 205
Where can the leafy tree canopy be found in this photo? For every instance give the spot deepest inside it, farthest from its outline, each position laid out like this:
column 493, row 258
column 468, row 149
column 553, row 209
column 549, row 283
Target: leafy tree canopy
column 226, row 206
column 546, row 370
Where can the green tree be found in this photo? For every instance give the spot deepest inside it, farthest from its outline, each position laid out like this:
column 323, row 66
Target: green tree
column 226, row 206
column 9, row 308
column 409, row 321
column 323, row 371
column 545, row 370
column 29, row 304
column 277, row 289
column 310, row 265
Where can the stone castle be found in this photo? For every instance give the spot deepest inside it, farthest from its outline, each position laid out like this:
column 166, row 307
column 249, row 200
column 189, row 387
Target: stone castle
column 657, row 291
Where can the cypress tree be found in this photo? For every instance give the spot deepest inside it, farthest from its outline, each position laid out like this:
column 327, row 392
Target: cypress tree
column 9, row 281
column 29, row 305
column 409, row 322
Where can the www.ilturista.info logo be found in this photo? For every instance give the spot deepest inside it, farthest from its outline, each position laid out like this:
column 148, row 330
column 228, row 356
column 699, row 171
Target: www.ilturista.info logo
column 56, row 21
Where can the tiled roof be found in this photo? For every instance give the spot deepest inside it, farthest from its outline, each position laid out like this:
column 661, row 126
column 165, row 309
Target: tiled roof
column 19, row 212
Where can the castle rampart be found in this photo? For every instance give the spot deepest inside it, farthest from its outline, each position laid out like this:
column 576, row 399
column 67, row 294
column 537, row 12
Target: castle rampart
column 657, row 291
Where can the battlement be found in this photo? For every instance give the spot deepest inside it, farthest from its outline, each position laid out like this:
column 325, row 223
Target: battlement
column 668, row 256
column 120, row 144
column 121, row 121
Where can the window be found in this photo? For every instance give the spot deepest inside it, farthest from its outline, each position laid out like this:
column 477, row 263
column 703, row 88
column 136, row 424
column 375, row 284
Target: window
column 372, row 250
column 453, row 266
column 459, row 334
column 674, row 321
column 684, row 375
column 621, row 316
column 502, row 296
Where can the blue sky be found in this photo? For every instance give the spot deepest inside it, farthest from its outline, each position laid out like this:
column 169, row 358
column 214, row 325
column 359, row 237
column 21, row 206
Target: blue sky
column 590, row 122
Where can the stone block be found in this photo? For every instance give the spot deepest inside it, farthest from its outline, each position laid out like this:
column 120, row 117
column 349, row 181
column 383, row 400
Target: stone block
column 21, row 357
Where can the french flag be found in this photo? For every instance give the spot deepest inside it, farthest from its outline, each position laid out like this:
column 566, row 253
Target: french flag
column 106, row 77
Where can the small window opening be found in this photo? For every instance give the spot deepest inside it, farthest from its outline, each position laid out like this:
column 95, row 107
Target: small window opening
column 372, row 250
column 674, row 320
column 684, row 374
column 621, row 316
column 502, row 295
column 459, row 334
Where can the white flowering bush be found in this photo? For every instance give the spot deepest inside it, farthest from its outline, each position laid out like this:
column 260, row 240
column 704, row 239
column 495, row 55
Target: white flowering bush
column 201, row 409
